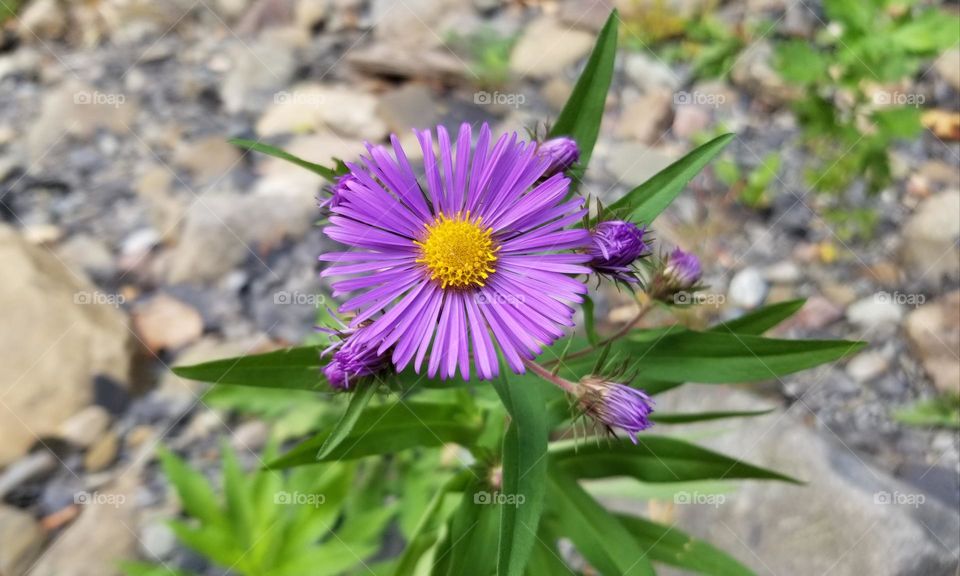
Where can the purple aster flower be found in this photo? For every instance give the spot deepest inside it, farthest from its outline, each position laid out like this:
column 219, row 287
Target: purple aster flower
column 682, row 269
column 337, row 191
column 476, row 255
column 561, row 152
column 615, row 245
column 616, row 405
column 352, row 361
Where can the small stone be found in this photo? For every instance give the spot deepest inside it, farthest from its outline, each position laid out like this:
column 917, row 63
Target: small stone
column 258, row 71
column 547, row 48
column 412, row 106
column 139, row 435
column 841, row 294
column 633, row 163
column 22, row 541
column 157, row 541
column 930, row 236
column 816, row 314
column 308, row 14
column 35, row 465
column 103, row 453
column 874, row 312
column 42, row 234
column 785, row 272
column 646, row 118
column 166, row 210
column 316, row 107
column 690, row 121
column 748, row 288
column 648, row 73
column 867, row 366
column 207, row 159
column 948, row 67
column 250, row 436
column 89, row 254
column 85, row 427
column 754, row 71
column 139, row 243
column 933, row 331
column 165, row 323
column 42, row 20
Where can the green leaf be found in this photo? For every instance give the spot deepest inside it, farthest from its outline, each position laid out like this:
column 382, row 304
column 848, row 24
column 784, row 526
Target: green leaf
column 358, row 403
column 941, row 411
column 524, row 471
column 654, row 459
column 391, row 428
column 669, row 545
column 645, row 202
column 588, row 321
column 471, row 537
column 596, row 533
column 195, row 493
column 933, row 31
column 327, row 173
column 427, row 532
column 293, row 368
column 144, row 569
column 759, row 321
column 689, row 417
column 800, row 63
column 901, row 122
column 581, row 115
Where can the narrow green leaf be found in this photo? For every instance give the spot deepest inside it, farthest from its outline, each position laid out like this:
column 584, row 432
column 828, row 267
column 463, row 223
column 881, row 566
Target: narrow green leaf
column 589, row 322
column 654, row 459
column 581, row 115
column 596, row 533
column 471, row 537
column 687, row 418
column 427, row 532
column 358, row 403
column 328, row 173
column 390, row 428
column 645, row 202
column 671, row 546
column 524, row 472
column 759, row 321
column 195, row 493
column 293, row 368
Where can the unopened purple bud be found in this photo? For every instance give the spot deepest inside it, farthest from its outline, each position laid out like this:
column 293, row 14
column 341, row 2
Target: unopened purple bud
column 562, row 153
column 353, row 361
column 338, row 190
column 615, row 405
column 682, row 269
column 615, row 245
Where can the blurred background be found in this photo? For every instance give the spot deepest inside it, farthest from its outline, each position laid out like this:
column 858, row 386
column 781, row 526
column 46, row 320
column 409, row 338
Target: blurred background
column 134, row 237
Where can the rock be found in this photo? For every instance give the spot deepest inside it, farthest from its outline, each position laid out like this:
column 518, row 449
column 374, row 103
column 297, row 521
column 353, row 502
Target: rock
column 103, row 453
column 412, row 106
column 258, row 71
column 308, row 14
column 157, row 540
column 22, row 541
column 754, row 71
column 646, row 118
column 42, row 20
column 648, row 73
column 207, row 159
column 85, row 427
column 59, row 333
column 930, row 238
column 747, row 288
column 867, row 366
column 316, row 107
column 690, row 121
column 785, row 272
column 88, row 254
column 874, row 312
column 166, row 210
column 849, row 519
column 42, row 234
column 32, row 466
column 547, row 48
column 250, row 436
column 414, row 24
column 138, row 244
column 632, row 164
column 397, row 62
column 948, row 67
column 933, row 331
column 165, row 323
column 100, row 539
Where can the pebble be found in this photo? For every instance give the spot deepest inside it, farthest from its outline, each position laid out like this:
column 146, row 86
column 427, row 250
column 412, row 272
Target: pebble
column 22, row 541
column 165, row 323
column 32, row 466
column 647, row 72
column 747, row 288
column 785, row 272
column 874, row 312
column 547, row 48
column 867, row 366
column 933, row 331
column 157, row 541
column 930, row 248
column 85, row 427
column 103, row 453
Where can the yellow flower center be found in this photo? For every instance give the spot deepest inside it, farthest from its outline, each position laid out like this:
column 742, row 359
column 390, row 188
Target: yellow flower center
column 458, row 251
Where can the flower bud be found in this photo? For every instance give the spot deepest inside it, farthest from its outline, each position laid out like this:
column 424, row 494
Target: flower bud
column 353, row 361
column 337, row 191
column 615, row 405
column 682, row 269
column 615, row 245
column 561, row 152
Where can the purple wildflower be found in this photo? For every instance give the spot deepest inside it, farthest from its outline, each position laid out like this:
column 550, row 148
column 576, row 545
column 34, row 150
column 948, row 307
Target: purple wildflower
column 615, row 245
column 682, row 269
column 616, row 405
column 477, row 253
column 338, row 190
column 562, row 153
column 352, row 361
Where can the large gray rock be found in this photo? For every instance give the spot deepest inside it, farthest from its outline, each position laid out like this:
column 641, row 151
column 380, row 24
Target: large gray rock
column 259, row 70
column 849, row 519
column 59, row 332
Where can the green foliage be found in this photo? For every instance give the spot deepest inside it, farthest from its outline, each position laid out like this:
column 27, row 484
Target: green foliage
column 942, row 411
column 9, row 9
column 488, row 54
